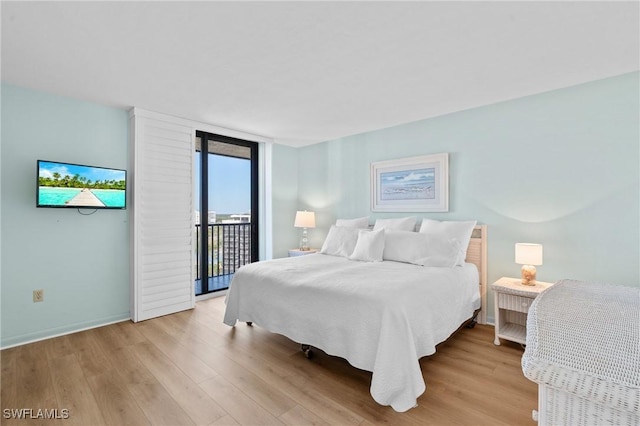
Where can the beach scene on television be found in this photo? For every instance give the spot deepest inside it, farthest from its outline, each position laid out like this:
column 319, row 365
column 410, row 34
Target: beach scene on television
column 70, row 185
column 418, row 184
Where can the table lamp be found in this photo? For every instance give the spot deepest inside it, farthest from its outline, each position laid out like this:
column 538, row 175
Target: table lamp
column 305, row 219
column 529, row 256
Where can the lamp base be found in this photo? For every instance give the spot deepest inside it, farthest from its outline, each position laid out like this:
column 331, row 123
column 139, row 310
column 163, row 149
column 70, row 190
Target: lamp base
column 304, row 242
column 528, row 274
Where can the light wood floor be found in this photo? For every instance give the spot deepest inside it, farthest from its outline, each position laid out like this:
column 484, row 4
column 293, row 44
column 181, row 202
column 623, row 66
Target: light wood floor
column 189, row 368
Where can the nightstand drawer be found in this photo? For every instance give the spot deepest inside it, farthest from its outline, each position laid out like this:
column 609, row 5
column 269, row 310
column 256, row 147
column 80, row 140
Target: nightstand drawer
column 514, row 303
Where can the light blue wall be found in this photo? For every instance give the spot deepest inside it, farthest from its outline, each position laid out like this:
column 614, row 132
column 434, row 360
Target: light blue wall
column 81, row 262
column 284, row 196
column 559, row 168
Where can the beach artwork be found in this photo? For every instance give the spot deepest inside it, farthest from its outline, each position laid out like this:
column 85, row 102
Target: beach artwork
column 72, row 185
column 416, row 184
column 408, row 184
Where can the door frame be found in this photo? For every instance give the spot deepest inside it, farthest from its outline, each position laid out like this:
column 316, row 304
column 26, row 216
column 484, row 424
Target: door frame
column 204, row 197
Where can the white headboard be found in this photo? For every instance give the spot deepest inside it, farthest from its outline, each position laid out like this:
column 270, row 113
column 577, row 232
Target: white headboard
column 477, row 254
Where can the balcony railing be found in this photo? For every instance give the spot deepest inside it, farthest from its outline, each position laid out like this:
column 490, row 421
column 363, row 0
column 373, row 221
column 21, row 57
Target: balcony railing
column 229, row 248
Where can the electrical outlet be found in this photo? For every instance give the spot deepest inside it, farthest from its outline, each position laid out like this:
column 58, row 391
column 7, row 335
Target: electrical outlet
column 38, row 295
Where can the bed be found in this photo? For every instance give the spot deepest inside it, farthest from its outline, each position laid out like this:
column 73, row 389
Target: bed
column 381, row 317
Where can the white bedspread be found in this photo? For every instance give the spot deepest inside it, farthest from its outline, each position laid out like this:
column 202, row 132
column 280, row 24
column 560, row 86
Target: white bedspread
column 380, row 316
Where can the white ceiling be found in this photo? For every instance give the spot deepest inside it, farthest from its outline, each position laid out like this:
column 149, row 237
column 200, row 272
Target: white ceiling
column 305, row 72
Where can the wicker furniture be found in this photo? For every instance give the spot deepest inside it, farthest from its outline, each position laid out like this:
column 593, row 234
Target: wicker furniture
column 511, row 304
column 298, row 252
column 583, row 350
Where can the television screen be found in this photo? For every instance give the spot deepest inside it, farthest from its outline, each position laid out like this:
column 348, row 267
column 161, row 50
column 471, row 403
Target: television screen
column 78, row 186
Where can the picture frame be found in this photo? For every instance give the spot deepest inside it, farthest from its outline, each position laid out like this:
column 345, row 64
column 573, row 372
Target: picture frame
column 414, row 184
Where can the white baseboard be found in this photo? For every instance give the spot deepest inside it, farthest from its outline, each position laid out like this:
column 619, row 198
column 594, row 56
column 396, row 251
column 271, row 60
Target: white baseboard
column 25, row 339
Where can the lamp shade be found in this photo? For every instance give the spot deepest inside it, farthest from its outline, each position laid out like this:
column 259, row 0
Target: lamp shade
column 528, row 254
column 305, row 219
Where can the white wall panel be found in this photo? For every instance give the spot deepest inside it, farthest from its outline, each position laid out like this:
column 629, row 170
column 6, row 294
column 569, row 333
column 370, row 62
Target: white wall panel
column 162, row 226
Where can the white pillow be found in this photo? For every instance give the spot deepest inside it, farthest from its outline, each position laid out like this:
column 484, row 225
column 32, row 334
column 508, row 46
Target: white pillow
column 401, row 224
column 361, row 222
column 424, row 249
column 461, row 231
column 340, row 241
column 370, row 246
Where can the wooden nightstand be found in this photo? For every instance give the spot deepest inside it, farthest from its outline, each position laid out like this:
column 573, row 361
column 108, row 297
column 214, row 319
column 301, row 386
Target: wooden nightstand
column 512, row 301
column 298, row 252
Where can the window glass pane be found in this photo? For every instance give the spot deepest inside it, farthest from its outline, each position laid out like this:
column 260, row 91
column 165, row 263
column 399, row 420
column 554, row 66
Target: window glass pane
column 229, row 189
column 229, row 150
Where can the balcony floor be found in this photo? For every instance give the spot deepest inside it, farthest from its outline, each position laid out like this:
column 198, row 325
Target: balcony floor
column 220, row 282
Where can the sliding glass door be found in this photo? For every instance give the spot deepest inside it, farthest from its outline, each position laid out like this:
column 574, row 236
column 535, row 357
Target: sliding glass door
column 226, row 209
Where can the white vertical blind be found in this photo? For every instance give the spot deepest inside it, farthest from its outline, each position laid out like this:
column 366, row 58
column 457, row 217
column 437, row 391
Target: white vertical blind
column 162, row 227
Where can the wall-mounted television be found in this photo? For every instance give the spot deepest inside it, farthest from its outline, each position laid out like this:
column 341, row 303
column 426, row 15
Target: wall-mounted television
column 80, row 186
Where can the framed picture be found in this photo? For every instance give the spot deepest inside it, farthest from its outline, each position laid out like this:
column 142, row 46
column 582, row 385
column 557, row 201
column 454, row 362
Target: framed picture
column 416, row 184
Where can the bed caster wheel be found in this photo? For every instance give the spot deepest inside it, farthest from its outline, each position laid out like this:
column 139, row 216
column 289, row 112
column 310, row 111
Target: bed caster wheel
column 306, row 350
column 249, row 324
column 472, row 324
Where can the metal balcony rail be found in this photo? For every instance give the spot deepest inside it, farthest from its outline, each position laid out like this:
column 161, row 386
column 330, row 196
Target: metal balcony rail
column 229, row 248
